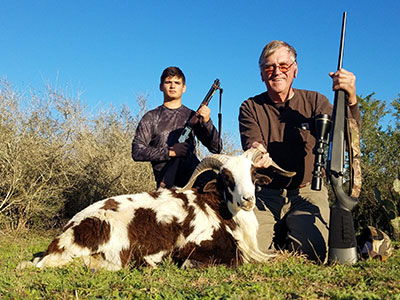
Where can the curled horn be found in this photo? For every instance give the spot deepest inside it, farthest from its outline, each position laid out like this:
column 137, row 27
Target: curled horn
column 255, row 155
column 212, row 162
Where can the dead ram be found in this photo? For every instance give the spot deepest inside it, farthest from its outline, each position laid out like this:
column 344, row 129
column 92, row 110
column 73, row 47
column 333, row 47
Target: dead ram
column 214, row 226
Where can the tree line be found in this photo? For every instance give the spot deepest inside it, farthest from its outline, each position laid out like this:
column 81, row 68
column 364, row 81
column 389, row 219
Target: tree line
column 57, row 157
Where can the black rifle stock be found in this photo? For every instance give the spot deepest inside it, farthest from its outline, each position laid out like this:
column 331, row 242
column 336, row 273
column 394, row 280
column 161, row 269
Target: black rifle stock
column 172, row 166
column 342, row 239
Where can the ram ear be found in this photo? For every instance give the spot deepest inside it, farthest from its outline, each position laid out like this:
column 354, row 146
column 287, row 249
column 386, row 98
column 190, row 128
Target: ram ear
column 262, row 179
column 210, row 186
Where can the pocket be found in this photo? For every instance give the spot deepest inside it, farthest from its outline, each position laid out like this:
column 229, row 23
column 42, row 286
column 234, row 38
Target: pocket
column 306, row 138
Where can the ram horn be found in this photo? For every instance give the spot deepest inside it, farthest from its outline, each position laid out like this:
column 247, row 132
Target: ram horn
column 255, row 155
column 212, row 162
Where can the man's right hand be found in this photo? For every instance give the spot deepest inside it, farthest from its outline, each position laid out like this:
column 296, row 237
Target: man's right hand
column 179, row 150
column 345, row 80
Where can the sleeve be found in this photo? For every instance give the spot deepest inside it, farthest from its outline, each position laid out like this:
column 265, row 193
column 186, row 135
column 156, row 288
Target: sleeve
column 142, row 150
column 323, row 106
column 248, row 126
column 208, row 136
column 354, row 113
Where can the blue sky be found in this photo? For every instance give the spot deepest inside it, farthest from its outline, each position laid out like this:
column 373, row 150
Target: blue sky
column 112, row 51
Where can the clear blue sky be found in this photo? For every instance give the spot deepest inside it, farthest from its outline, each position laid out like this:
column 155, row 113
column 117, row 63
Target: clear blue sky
column 113, row 51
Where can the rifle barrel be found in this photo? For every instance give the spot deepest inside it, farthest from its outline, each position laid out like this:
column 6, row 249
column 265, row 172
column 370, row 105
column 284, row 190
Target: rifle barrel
column 341, row 49
column 213, row 89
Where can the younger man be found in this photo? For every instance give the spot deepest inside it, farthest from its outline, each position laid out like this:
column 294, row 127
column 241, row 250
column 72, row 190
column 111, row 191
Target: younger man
column 157, row 134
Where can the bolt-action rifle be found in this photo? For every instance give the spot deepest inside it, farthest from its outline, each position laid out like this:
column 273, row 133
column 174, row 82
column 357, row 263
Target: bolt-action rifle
column 342, row 240
column 172, row 167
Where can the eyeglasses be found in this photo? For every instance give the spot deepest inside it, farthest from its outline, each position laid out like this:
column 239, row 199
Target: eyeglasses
column 284, row 68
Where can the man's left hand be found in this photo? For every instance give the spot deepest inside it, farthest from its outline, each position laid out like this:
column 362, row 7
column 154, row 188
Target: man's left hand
column 345, row 80
column 205, row 112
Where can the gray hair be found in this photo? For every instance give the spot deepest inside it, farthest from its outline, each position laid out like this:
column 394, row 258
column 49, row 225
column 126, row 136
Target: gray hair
column 271, row 47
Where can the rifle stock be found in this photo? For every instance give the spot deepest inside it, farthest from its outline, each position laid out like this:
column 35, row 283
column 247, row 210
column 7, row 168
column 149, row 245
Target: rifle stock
column 173, row 164
column 342, row 239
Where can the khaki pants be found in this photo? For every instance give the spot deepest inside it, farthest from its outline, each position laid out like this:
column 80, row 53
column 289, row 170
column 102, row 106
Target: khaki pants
column 294, row 220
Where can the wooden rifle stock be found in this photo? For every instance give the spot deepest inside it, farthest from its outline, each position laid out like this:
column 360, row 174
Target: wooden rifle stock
column 173, row 164
column 342, row 240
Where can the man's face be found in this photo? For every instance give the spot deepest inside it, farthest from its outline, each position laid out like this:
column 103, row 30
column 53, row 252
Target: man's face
column 279, row 80
column 173, row 88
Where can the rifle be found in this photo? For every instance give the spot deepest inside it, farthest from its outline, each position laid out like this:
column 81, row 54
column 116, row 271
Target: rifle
column 342, row 240
column 195, row 119
column 172, row 167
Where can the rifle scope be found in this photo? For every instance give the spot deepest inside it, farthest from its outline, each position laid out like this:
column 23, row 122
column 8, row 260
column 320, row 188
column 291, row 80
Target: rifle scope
column 322, row 128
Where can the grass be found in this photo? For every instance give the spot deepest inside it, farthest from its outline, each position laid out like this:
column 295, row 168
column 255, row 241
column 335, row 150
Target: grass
column 286, row 277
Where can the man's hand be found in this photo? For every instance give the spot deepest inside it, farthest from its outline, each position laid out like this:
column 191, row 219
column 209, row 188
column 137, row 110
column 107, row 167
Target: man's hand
column 265, row 160
column 204, row 112
column 345, row 80
column 179, row 150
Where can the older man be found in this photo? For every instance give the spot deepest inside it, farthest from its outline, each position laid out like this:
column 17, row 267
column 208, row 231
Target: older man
column 280, row 122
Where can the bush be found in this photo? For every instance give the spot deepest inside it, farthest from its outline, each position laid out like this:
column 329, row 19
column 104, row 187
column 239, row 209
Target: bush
column 56, row 160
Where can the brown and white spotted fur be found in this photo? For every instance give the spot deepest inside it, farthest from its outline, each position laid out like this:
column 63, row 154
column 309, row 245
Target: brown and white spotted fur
column 214, row 226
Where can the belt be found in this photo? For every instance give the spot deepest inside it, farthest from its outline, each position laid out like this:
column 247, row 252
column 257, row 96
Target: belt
column 303, row 185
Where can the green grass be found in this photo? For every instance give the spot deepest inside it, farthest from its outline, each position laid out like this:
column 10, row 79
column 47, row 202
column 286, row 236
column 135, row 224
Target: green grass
column 287, row 277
